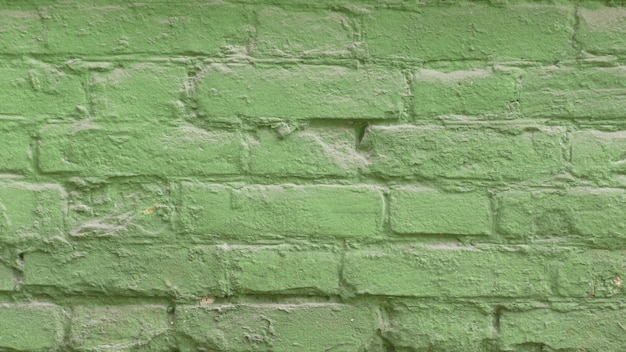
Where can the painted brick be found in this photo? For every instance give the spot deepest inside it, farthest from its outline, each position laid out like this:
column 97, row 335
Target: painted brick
column 312, row 152
column 592, row 274
column 433, row 151
column 35, row 88
column 489, row 92
column 472, row 31
column 284, row 269
column 111, row 328
column 439, row 327
column 276, row 327
column 448, row 271
column 88, row 149
column 602, row 30
column 15, row 154
column 88, row 29
column 122, row 212
column 31, row 327
column 21, row 31
column 568, row 92
column 28, row 210
column 428, row 211
column 299, row 91
column 594, row 214
column 129, row 270
column 597, row 155
column 138, row 92
column 7, row 281
column 305, row 33
column 275, row 211
column 590, row 329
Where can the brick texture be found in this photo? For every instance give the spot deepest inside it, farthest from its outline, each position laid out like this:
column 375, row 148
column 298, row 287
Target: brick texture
column 335, row 175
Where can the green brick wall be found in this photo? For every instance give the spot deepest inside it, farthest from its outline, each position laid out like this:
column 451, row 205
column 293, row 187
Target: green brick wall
column 297, row 175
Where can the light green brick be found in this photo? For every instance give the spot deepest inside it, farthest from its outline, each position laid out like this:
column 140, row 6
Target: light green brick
column 7, row 280
column 111, row 328
column 592, row 274
column 433, row 152
column 30, row 210
column 570, row 92
column 276, row 327
column 472, row 31
column 284, row 269
column 21, row 31
column 16, row 151
column 129, row 213
column 88, row 149
column 140, row 92
column 286, row 211
column 31, row 327
column 589, row 329
column 595, row 216
column 439, row 327
column 598, row 156
column 312, row 152
column 305, row 33
column 602, row 30
column 488, row 92
column 428, row 211
column 157, row 28
column 299, row 92
column 144, row 270
column 34, row 88
column 448, row 271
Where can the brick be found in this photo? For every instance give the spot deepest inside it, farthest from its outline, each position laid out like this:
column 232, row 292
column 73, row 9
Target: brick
column 428, row 211
column 116, row 328
column 439, row 327
column 15, row 154
column 28, row 210
column 592, row 274
column 36, row 88
column 313, row 152
column 284, row 269
column 124, row 212
column 595, row 215
column 276, row 327
column 571, row 92
column 602, row 30
column 157, row 28
column 277, row 211
column 298, row 92
column 434, row 151
column 305, row 33
column 21, row 31
column 146, row 270
column 472, row 31
column 138, row 92
column 138, row 149
column 7, row 282
column 492, row 92
column 597, row 155
column 588, row 329
column 31, row 327
column 448, row 271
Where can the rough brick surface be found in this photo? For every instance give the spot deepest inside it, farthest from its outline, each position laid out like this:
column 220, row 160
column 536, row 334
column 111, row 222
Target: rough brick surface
column 276, row 327
column 335, row 175
column 299, row 91
column 281, row 210
column 435, row 152
column 31, row 327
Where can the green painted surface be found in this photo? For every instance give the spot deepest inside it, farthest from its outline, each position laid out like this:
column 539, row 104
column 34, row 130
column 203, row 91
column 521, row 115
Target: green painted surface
column 290, row 175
